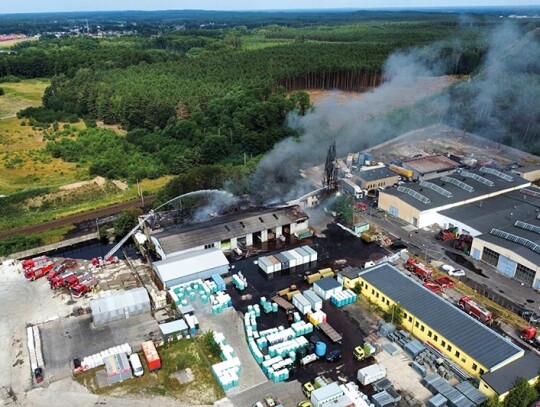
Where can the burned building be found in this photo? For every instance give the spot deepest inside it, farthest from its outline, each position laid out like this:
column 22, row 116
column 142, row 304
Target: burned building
column 431, row 166
column 228, row 232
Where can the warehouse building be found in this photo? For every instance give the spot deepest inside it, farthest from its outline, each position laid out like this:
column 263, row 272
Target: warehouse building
column 228, row 232
column 189, row 266
column 506, row 231
column 421, row 203
column 471, row 345
column 120, row 305
column 431, row 167
column 376, row 178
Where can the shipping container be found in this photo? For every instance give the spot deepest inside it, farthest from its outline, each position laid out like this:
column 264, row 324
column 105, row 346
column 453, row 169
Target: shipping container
column 298, row 256
column 292, row 259
column 314, row 300
column 275, row 262
column 266, row 265
column 312, row 253
column 305, row 255
column 284, row 260
column 301, row 303
column 152, row 357
column 371, row 374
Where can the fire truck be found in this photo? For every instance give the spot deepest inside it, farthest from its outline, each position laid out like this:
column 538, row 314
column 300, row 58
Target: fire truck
column 59, row 268
column 421, row 270
column 529, row 335
column 38, row 271
column 474, row 309
column 86, row 284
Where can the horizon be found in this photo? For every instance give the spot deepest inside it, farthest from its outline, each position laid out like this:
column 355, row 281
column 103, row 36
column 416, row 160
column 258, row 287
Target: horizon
column 241, row 6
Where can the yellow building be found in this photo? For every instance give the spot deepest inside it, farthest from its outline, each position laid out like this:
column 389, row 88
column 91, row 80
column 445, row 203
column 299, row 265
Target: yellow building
column 530, row 173
column 464, row 340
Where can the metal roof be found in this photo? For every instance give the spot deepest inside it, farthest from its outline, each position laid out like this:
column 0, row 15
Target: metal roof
column 119, row 301
column 327, row 283
column 173, row 327
column 189, row 263
column 503, row 379
column 426, row 165
column 376, row 174
column 459, row 195
column 475, row 339
column 350, row 272
column 325, row 392
column 502, row 212
column 178, row 238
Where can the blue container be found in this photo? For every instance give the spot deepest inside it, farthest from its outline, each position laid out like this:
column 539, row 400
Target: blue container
column 320, row 349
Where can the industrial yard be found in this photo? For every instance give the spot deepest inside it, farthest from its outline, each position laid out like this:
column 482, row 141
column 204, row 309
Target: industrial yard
column 274, row 302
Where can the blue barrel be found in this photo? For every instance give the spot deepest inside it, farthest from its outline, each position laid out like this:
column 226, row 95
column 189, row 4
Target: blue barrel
column 320, row 349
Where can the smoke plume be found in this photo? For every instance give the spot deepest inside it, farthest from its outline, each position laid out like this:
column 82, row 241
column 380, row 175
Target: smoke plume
column 503, row 94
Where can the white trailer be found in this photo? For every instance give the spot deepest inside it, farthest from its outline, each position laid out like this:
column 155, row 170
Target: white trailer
column 351, row 188
column 371, row 374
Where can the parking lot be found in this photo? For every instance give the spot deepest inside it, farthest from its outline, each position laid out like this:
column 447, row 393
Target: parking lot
column 68, row 338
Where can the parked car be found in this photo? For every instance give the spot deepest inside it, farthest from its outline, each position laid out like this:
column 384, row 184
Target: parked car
column 447, row 267
column 334, row 355
column 530, row 316
column 457, row 273
column 305, row 403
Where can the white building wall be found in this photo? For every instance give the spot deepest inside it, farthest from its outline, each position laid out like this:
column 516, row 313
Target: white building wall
column 444, row 222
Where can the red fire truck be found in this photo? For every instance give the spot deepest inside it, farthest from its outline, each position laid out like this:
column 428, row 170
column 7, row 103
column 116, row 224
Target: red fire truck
column 421, row 270
column 474, row 309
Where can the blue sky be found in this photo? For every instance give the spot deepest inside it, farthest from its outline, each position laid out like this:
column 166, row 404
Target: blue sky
column 28, row 6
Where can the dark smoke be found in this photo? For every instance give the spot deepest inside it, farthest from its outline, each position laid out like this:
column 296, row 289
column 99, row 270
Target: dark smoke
column 374, row 117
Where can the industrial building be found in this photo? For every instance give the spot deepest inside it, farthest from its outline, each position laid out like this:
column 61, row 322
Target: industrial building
column 189, row 266
column 530, row 173
column 506, row 231
column 376, row 178
column 420, row 203
column 228, row 232
column 431, row 166
column 461, row 338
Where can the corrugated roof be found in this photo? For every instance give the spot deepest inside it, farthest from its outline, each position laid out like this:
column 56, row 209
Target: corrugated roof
column 119, row 301
column 426, row 165
column 185, row 237
column 502, row 380
column 327, row 391
column 475, row 339
column 459, row 195
column 350, row 272
column 189, row 263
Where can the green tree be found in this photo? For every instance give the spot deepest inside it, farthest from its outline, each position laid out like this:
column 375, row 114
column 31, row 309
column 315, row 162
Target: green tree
column 521, row 395
column 2, row 91
column 126, row 221
column 301, row 101
column 343, row 206
column 394, row 315
column 493, row 401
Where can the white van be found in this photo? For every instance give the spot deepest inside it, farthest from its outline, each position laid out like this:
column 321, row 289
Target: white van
column 136, row 365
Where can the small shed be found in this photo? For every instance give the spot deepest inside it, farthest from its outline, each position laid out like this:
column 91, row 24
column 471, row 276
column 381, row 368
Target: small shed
column 174, row 330
column 305, row 255
column 326, row 287
column 119, row 306
column 312, row 253
column 314, row 299
column 118, row 368
column 186, row 267
column 301, row 303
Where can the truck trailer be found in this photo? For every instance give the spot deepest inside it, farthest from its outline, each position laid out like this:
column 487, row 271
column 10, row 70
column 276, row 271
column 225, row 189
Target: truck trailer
column 330, row 332
column 351, row 188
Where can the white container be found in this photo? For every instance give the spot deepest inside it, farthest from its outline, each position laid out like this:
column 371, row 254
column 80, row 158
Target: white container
column 298, row 257
column 315, row 301
column 371, row 374
column 301, row 303
column 312, row 253
column 266, row 265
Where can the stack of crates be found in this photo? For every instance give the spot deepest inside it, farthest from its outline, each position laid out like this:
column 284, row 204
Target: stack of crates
column 267, row 305
column 220, row 283
column 302, row 328
column 317, row 318
column 343, row 298
column 281, row 335
column 239, row 281
column 285, row 348
column 192, row 322
column 181, row 294
column 226, row 372
column 220, row 301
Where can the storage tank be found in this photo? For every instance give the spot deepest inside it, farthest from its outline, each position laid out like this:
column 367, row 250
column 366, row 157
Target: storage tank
column 320, row 349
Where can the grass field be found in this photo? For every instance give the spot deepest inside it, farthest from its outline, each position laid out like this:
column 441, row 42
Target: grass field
column 21, row 95
column 179, row 355
column 10, row 43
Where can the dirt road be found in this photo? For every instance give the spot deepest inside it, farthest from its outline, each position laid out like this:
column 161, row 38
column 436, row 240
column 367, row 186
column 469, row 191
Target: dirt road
column 74, row 219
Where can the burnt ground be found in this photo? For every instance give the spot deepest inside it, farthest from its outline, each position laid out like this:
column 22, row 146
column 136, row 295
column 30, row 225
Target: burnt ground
column 352, row 321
